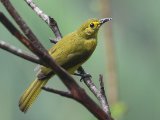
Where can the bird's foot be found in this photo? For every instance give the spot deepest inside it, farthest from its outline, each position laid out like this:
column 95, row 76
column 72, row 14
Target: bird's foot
column 83, row 76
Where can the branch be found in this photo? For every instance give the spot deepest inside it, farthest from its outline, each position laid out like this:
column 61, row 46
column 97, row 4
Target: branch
column 77, row 92
column 106, row 107
column 49, row 20
column 62, row 93
column 32, row 39
column 101, row 97
column 12, row 49
column 15, row 32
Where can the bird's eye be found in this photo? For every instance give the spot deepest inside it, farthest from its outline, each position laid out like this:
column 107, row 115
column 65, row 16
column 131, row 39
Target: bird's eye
column 92, row 25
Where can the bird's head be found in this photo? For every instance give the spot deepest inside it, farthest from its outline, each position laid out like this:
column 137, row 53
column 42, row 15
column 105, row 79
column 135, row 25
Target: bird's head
column 90, row 28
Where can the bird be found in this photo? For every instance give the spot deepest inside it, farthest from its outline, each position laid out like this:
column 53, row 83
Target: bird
column 70, row 53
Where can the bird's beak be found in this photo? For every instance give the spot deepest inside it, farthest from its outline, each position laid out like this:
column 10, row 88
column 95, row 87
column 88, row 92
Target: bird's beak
column 102, row 21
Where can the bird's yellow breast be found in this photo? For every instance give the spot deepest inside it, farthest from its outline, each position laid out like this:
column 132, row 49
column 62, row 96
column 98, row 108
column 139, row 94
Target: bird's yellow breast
column 90, row 45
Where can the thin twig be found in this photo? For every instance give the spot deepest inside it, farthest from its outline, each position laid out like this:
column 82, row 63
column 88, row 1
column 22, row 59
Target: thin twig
column 23, row 26
column 14, row 31
column 102, row 91
column 95, row 91
column 49, row 20
column 12, row 49
column 62, row 93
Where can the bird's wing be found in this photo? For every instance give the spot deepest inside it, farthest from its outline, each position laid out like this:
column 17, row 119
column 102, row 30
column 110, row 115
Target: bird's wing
column 68, row 58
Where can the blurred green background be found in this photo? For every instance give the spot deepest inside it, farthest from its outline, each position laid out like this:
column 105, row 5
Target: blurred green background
column 136, row 33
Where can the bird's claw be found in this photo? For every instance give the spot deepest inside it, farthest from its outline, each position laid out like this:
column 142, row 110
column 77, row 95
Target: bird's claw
column 83, row 76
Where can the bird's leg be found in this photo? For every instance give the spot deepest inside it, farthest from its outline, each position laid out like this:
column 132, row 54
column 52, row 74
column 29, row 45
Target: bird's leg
column 82, row 74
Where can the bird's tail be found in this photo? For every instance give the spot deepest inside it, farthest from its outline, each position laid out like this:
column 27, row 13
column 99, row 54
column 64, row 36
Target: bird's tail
column 30, row 95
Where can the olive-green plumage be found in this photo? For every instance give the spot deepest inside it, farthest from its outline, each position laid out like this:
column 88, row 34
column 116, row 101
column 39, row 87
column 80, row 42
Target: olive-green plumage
column 70, row 52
